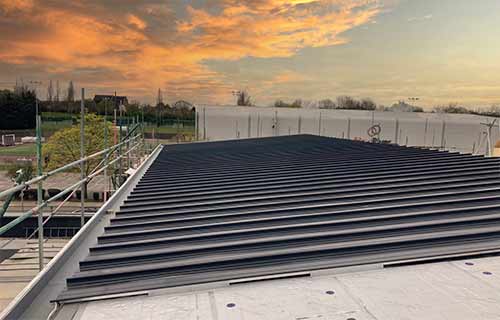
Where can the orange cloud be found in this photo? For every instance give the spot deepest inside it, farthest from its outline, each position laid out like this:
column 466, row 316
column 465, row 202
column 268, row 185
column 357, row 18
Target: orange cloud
column 64, row 39
column 9, row 6
column 136, row 22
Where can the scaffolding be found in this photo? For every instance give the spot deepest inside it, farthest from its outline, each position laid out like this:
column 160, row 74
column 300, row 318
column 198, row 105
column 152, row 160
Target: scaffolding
column 131, row 147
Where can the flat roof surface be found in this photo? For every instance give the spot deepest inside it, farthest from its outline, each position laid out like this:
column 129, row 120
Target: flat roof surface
column 21, row 264
column 458, row 290
column 220, row 211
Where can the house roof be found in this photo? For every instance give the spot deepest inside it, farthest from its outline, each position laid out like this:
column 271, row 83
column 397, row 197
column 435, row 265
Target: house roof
column 222, row 211
column 99, row 97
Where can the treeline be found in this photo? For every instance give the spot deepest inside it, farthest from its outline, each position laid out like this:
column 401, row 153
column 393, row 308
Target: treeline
column 342, row 102
column 493, row 111
column 151, row 113
column 17, row 109
column 350, row 103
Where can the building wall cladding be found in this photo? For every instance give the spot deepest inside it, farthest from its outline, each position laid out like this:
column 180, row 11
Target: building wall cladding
column 219, row 211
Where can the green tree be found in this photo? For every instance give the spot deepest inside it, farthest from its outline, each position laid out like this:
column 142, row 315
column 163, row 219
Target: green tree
column 17, row 109
column 19, row 174
column 64, row 146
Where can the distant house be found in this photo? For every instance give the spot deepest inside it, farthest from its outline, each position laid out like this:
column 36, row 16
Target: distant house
column 115, row 100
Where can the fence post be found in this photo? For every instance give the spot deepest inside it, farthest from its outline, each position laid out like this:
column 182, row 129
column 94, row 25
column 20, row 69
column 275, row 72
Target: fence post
column 276, row 132
column 258, row 125
column 40, row 190
column 348, row 128
column 443, row 130
column 299, row 125
column 82, row 155
column 197, row 125
column 319, row 124
column 204, row 125
column 396, row 134
column 249, row 125
column 425, row 131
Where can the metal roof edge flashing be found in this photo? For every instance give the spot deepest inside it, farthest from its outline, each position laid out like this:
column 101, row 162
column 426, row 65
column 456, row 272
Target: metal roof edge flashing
column 59, row 267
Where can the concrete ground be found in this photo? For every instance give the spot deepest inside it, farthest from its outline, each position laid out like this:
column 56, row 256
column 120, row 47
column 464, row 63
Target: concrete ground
column 18, row 270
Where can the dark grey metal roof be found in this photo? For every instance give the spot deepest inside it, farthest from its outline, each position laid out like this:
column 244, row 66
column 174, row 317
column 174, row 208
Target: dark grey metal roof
column 218, row 211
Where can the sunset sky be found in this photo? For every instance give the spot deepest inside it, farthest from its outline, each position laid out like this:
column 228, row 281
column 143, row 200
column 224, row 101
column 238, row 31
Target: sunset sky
column 440, row 51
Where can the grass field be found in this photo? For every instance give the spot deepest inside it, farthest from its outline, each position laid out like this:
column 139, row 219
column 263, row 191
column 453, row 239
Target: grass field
column 19, row 150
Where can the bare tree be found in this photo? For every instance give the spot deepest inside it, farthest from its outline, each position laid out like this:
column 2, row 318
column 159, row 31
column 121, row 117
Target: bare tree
column 346, row 102
column 71, row 92
column 50, row 92
column 368, row 104
column 58, row 91
column 243, row 98
column 159, row 99
column 20, row 87
column 326, row 104
column 282, row 104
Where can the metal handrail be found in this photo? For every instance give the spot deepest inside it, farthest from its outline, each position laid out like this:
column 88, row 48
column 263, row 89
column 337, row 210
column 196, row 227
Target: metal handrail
column 43, row 204
column 60, row 169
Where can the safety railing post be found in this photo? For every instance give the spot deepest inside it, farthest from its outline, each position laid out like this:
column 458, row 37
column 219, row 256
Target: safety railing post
column 106, row 158
column 142, row 134
column 40, row 189
column 82, row 155
column 120, row 150
column 128, row 143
